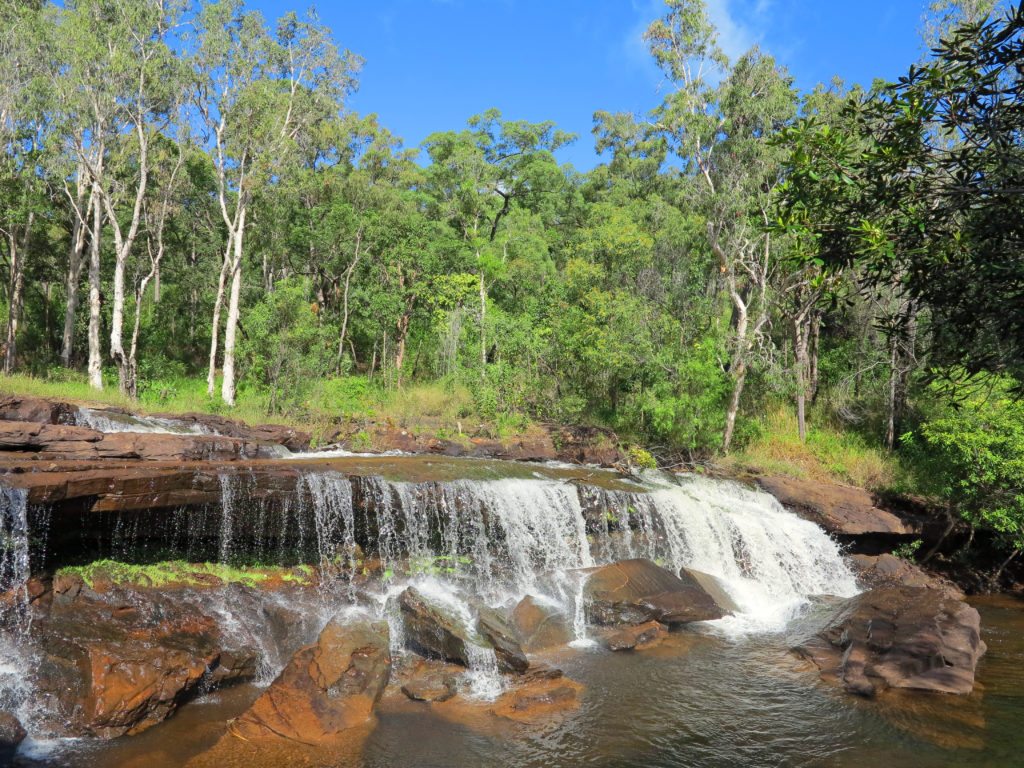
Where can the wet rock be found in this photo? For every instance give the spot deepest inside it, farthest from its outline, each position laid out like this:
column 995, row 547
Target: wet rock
column 431, row 630
column 293, row 439
column 888, row 571
column 11, row 734
column 538, row 699
column 502, row 636
column 326, row 689
column 637, row 637
column 431, row 685
column 35, row 409
column 899, row 637
column 841, row 510
column 713, row 586
column 120, row 662
column 539, row 625
column 638, row 591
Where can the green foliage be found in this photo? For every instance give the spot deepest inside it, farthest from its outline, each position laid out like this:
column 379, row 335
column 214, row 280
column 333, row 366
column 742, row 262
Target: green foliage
column 972, row 453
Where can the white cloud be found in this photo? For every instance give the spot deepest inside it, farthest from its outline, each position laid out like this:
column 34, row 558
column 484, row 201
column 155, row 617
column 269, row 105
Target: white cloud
column 737, row 30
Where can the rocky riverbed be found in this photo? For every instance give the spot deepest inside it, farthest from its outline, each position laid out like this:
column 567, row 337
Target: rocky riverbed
column 350, row 593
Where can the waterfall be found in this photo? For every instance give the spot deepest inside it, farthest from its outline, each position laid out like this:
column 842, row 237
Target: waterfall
column 506, row 538
column 14, row 556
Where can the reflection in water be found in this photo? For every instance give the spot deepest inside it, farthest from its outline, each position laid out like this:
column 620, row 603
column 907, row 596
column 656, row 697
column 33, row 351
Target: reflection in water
column 699, row 700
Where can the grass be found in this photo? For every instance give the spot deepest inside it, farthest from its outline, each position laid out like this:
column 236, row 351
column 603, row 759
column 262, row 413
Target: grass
column 830, row 454
column 177, row 572
column 433, row 409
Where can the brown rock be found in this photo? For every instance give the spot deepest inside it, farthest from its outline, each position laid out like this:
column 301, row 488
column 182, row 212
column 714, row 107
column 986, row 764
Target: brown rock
column 35, row 409
column 326, row 689
column 502, row 636
column 120, row 662
column 432, row 685
column 11, row 734
column 839, row 509
column 434, row 631
column 638, row 591
column 889, row 571
column 538, row 699
column 899, row 637
column 539, row 626
column 713, row 586
column 637, row 637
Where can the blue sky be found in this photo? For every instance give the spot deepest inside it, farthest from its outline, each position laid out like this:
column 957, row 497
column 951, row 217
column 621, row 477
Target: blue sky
column 430, row 64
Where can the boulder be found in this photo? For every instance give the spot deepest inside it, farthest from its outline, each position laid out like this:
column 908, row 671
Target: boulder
column 887, row 571
column 291, row 438
column 431, row 685
column 639, row 591
column 12, row 733
column 327, row 688
column 120, row 662
column 502, row 636
column 841, row 510
column 539, row 625
column 539, row 698
column 638, row 637
column 899, row 637
column 435, row 631
column 713, row 586
column 35, row 409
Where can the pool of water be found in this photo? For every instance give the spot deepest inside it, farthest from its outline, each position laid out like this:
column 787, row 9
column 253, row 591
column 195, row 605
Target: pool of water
column 701, row 699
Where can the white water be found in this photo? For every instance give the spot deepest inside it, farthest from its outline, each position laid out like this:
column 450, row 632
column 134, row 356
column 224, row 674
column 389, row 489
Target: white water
column 107, row 422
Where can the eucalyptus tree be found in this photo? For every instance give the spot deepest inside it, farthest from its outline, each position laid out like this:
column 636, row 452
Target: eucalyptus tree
column 24, row 128
column 477, row 175
column 256, row 92
column 719, row 122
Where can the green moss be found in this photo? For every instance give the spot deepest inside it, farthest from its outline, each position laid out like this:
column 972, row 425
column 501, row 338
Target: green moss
column 177, row 572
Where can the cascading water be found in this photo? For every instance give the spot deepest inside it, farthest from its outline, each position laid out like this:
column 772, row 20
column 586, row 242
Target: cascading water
column 109, row 421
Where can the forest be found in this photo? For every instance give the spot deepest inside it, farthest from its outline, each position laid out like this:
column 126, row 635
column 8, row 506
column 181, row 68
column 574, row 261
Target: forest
column 192, row 217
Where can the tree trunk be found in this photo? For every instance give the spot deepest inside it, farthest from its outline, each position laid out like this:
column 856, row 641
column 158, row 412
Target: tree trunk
column 344, row 299
column 75, row 254
column 483, row 333
column 132, row 384
column 890, row 430
column 227, row 390
column 801, row 339
column 16, row 294
column 739, row 378
column 218, row 304
column 95, row 359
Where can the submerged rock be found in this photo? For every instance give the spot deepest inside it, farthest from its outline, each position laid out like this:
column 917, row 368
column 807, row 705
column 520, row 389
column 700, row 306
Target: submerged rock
column 639, row 591
column 431, row 685
column 899, row 637
column 540, row 626
column 638, row 637
column 327, row 688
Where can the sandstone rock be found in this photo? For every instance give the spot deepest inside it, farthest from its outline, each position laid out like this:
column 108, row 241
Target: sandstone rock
column 35, row 409
column 713, row 586
column 638, row 591
column 539, row 626
column 432, row 685
column 293, row 439
column 11, row 735
column 326, row 689
column 435, row 631
column 839, row 509
column 538, row 699
column 118, row 663
column 497, row 631
column 888, row 570
column 899, row 637
column 636, row 637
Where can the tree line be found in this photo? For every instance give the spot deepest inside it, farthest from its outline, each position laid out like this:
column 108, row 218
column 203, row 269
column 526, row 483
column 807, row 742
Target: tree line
column 184, row 193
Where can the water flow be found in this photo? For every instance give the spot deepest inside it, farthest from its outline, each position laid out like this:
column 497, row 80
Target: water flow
column 330, row 495
column 108, row 421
